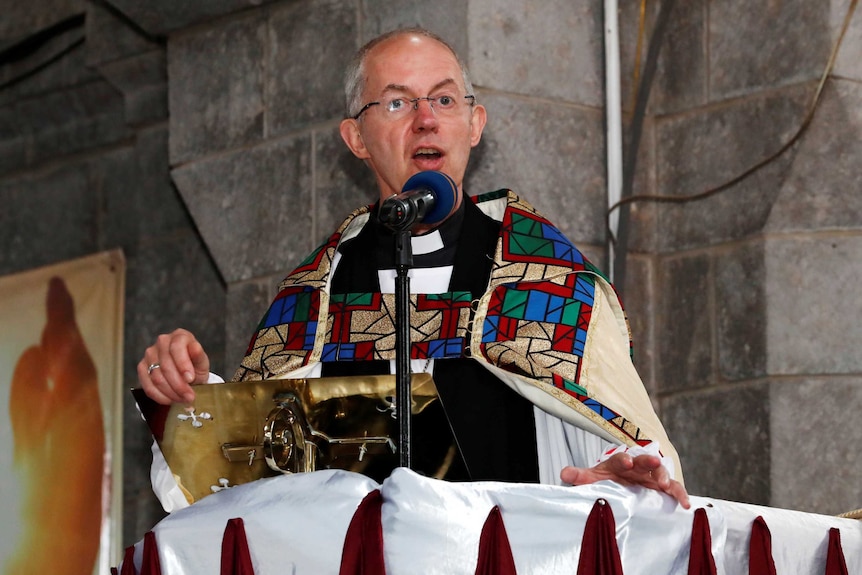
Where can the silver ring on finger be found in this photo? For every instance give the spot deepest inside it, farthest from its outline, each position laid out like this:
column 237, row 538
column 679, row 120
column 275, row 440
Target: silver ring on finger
column 152, row 367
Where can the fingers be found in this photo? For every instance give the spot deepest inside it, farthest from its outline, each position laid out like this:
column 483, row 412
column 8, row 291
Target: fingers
column 648, row 471
column 181, row 362
column 622, row 464
column 644, row 470
column 576, row 476
column 200, row 363
column 676, row 490
column 159, row 384
column 615, row 468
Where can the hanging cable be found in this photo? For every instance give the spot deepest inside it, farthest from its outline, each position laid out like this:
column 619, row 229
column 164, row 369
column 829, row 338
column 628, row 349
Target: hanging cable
column 630, row 159
column 636, row 69
column 809, row 116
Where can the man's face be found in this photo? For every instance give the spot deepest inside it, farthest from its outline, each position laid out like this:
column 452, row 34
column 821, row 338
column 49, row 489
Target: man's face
column 412, row 66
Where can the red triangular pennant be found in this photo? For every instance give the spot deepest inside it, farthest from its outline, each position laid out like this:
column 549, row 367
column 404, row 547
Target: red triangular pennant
column 700, row 560
column 495, row 553
column 128, row 567
column 599, row 552
column 363, row 545
column 151, row 564
column 235, row 556
column 835, row 564
column 760, row 560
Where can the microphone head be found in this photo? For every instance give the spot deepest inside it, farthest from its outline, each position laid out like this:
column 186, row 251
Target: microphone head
column 444, row 189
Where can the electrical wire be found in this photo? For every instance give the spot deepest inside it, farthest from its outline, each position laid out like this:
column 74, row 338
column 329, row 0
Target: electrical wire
column 638, row 50
column 620, row 243
column 803, row 127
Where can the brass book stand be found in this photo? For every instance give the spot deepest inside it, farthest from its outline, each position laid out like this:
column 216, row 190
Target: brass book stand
column 239, row 432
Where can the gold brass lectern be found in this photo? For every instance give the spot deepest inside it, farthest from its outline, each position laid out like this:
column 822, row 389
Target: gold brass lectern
column 239, row 432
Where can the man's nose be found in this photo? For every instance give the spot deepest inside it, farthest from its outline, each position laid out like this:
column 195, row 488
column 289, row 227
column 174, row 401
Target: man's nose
column 424, row 116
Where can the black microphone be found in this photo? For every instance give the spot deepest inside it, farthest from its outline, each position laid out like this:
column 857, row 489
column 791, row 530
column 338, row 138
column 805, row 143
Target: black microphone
column 427, row 197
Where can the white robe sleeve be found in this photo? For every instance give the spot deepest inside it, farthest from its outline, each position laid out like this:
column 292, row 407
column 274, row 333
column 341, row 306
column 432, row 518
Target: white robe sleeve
column 164, row 485
column 559, row 444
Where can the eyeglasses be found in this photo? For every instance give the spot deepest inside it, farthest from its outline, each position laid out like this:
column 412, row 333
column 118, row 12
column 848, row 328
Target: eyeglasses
column 399, row 107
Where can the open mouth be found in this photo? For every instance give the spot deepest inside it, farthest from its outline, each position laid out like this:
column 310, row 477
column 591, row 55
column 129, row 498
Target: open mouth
column 427, row 154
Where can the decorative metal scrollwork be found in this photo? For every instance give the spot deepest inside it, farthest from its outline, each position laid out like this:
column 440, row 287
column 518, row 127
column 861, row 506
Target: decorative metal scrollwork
column 286, row 437
column 291, row 445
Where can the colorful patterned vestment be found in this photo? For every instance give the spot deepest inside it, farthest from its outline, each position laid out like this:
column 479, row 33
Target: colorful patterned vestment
column 549, row 325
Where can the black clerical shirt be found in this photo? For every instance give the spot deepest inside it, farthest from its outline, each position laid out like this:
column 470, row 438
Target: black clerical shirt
column 494, row 427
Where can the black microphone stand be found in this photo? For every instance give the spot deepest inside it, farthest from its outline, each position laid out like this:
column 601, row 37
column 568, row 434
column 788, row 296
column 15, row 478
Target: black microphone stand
column 399, row 213
column 403, row 399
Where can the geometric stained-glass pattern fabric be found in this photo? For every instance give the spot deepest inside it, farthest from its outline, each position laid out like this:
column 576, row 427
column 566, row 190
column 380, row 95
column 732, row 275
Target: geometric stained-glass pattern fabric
column 542, row 291
column 547, row 320
column 539, row 312
column 362, row 326
column 533, row 239
column 285, row 334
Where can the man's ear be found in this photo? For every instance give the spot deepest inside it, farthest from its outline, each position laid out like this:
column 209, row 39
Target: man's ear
column 477, row 124
column 349, row 129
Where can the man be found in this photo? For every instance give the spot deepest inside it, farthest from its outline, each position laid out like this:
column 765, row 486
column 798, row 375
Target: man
column 512, row 406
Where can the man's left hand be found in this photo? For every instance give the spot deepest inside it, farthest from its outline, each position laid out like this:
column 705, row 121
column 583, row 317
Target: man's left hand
column 644, row 470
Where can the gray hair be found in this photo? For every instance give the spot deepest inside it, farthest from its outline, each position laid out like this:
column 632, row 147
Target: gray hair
column 354, row 79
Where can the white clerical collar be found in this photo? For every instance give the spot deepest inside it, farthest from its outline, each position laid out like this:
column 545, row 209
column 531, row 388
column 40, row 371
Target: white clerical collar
column 426, row 243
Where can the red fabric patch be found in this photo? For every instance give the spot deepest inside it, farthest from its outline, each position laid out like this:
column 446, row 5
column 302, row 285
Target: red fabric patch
column 700, row 560
column 599, row 552
column 151, row 564
column 296, row 335
column 835, row 564
column 564, row 338
column 363, row 545
column 495, row 552
column 235, row 555
column 507, row 329
column 563, row 290
column 760, row 560
column 364, row 351
column 128, row 567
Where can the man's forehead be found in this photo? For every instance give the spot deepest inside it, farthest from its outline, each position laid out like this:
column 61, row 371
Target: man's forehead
column 389, row 63
column 410, row 41
column 445, row 83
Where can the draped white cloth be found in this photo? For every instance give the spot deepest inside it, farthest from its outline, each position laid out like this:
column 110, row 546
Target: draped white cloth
column 296, row 524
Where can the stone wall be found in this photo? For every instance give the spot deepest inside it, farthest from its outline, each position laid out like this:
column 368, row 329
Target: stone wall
column 201, row 137
column 755, row 330
column 84, row 168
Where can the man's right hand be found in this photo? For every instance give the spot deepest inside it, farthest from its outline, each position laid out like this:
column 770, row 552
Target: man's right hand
column 182, row 362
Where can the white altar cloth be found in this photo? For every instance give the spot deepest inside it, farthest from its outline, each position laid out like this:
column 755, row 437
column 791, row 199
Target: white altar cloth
column 296, row 524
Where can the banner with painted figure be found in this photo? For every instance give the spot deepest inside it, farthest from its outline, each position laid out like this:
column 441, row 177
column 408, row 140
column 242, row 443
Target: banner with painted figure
column 61, row 335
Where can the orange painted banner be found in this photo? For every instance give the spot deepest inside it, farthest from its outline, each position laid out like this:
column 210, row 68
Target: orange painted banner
column 61, row 349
